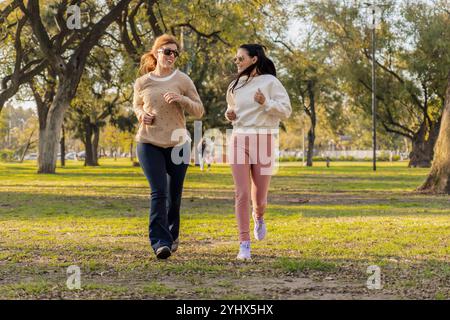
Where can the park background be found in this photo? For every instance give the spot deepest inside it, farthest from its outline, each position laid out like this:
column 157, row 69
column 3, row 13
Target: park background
column 66, row 96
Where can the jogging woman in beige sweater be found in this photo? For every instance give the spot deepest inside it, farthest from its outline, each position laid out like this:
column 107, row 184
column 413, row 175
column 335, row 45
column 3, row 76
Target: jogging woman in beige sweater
column 161, row 96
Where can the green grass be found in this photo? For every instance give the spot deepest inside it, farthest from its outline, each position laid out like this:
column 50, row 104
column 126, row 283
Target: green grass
column 97, row 218
column 24, row 289
column 156, row 288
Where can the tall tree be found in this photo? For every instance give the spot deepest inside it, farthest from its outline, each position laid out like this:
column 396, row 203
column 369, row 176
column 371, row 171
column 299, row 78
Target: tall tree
column 88, row 114
column 411, row 59
column 311, row 84
column 438, row 181
column 95, row 100
column 67, row 64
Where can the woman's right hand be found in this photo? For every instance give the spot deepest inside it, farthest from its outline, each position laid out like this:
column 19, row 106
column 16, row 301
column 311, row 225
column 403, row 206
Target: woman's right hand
column 148, row 119
column 230, row 115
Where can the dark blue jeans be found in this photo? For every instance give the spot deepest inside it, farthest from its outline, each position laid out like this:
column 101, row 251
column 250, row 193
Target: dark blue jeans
column 165, row 177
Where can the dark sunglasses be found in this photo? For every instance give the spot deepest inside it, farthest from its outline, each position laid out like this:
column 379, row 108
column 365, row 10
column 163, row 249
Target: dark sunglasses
column 238, row 58
column 168, row 52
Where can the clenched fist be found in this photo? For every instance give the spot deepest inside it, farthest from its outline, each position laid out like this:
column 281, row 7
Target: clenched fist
column 259, row 97
column 172, row 97
column 231, row 115
column 148, row 118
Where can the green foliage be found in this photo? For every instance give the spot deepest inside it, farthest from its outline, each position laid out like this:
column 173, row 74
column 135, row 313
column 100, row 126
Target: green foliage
column 6, row 155
column 413, row 63
column 18, row 127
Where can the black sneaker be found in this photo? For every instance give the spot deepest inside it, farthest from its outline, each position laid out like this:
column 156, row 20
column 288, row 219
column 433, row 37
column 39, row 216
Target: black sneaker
column 163, row 252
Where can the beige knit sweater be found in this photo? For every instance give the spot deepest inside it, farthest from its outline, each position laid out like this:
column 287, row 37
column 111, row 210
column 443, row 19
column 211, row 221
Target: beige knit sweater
column 148, row 97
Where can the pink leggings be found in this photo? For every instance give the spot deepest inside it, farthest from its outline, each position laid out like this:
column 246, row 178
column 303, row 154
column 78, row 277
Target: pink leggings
column 251, row 164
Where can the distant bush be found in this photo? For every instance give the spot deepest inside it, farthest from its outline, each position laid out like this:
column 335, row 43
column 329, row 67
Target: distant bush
column 347, row 158
column 382, row 157
column 6, row 155
column 289, row 159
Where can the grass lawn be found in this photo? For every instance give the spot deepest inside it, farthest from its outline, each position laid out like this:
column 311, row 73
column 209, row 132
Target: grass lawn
column 326, row 226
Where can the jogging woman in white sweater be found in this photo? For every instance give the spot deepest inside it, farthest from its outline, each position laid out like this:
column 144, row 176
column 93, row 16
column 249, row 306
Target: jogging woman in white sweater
column 257, row 101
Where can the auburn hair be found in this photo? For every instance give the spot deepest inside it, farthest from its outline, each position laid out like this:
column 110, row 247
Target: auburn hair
column 148, row 59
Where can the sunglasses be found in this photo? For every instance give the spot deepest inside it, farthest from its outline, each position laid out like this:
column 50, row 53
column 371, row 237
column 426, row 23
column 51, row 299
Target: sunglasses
column 168, row 52
column 238, row 59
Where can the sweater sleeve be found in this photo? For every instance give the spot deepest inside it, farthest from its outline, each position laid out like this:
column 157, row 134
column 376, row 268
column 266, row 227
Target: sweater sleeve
column 138, row 102
column 278, row 103
column 191, row 101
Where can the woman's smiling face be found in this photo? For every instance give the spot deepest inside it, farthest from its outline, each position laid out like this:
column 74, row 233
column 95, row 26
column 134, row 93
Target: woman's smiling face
column 243, row 60
column 167, row 61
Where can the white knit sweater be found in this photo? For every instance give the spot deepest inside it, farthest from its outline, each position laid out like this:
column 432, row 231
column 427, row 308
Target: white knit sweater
column 249, row 113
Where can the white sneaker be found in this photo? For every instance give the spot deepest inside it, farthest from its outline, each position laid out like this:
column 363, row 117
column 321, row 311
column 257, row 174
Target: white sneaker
column 175, row 244
column 244, row 251
column 163, row 252
column 260, row 230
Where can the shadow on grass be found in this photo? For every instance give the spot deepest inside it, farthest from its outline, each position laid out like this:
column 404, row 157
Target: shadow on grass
column 27, row 205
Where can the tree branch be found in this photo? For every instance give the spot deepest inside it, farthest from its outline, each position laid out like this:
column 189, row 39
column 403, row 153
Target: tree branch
column 396, row 131
column 133, row 24
column 6, row 12
column 398, row 77
column 33, row 12
column 152, row 18
column 214, row 34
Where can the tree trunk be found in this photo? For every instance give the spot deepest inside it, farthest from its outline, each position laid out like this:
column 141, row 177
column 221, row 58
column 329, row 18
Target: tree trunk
column 89, row 157
column 131, row 151
column 423, row 144
column 438, row 181
column 96, row 132
column 312, row 130
column 27, row 146
column 62, row 147
column 23, row 154
column 50, row 135
column 310, row 152
column 48, row 144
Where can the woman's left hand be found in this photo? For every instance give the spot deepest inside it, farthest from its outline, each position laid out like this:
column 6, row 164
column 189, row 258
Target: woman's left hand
column 172, row 97
column 259, row 97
